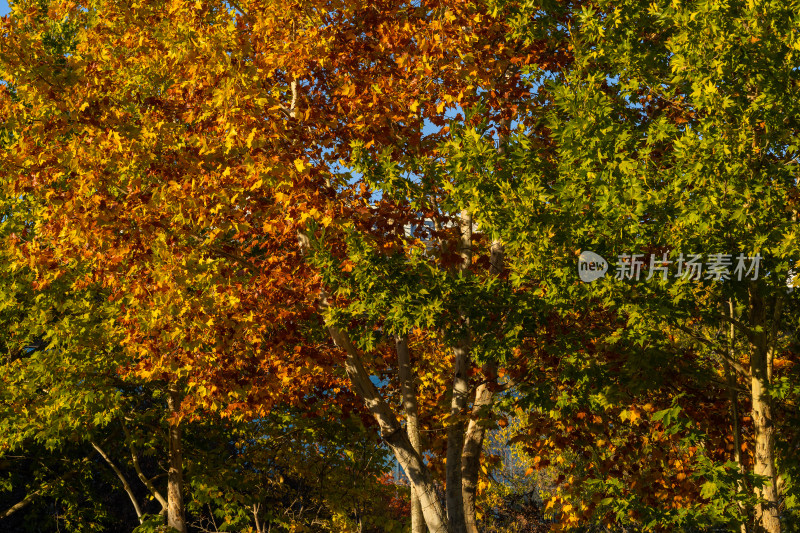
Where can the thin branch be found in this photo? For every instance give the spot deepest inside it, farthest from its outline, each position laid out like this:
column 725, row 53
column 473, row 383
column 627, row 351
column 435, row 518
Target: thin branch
column 147, row 482
column 773, row 338
column 735, row 364
column 125, row 485
column 238, row 8
column 740, row 325
column 23, row 503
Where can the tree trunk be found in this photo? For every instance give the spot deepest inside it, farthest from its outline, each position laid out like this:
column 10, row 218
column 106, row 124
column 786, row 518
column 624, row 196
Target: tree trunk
column 766, row 511
column 176, row 517
column 409, row 393
column 733, row 397
column 473, row 440
column 455, row 441
column 460, row 397
column 473, row 444
column 392, row 433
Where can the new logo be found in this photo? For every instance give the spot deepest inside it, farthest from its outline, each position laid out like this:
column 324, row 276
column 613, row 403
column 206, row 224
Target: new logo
column 591, row 266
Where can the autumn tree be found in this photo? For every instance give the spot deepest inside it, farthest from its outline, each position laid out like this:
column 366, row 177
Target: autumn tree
column 189, row 144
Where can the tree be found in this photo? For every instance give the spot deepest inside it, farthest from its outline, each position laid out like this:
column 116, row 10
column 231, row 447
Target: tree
column 675, row 132
column 179, row 182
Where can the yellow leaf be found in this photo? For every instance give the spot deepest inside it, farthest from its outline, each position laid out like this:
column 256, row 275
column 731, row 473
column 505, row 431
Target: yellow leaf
column 250, row 138
column 299, row 164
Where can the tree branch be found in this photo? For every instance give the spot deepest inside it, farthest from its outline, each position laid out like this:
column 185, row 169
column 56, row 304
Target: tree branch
column 136, row 466
column 735, row 364
column 740, row 325
column 33, row 495
column 125, row 485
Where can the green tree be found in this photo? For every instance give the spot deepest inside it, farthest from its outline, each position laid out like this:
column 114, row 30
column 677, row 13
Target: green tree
column 676, row 132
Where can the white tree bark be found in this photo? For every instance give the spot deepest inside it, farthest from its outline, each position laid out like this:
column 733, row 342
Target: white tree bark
column 392, row 433
column 176, row 515
column 408, row 390
column 473, row 440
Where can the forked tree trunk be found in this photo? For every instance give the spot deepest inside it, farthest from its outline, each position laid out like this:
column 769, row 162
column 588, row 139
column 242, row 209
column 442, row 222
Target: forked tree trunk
column 176, row 517
column 766, row 512
column 464, row 442
column 460, row 397
column 392, row 433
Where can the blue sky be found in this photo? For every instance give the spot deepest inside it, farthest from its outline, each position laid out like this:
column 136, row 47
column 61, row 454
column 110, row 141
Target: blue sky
column 3, row 7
